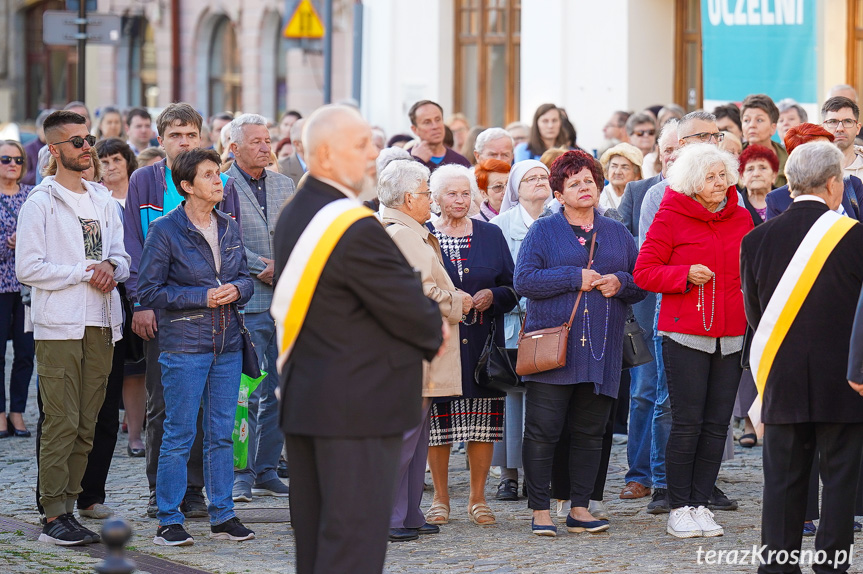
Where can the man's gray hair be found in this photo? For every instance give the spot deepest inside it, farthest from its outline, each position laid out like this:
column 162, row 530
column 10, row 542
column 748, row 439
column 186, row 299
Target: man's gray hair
column 391, row 154
column 788, row 104
column 669, row 130
column 687, row 174
column 693, row 116
column 490, row 135
column 239, row 122
column 445, row 174
column 399, row 178
column 810, row 166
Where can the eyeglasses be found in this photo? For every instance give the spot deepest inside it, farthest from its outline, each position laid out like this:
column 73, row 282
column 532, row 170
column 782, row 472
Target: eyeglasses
column 847, row 123
column 7, row 159
column 420, row 193
column 705, row 137
column 536, row 179
column 642, row 133
column 78, row 141
column 497, row 187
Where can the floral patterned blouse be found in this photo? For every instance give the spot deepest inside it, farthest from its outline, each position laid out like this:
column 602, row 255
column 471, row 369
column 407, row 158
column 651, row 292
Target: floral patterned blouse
column 10, row 206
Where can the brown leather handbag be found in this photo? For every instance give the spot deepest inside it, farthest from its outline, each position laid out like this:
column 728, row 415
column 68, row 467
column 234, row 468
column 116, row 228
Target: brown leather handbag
column 545, row 349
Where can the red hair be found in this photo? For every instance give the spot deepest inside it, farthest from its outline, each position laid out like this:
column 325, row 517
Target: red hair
column 804, row 133
column 754, row 152
column 570, row 164
column 282, row 143
column 486, row 167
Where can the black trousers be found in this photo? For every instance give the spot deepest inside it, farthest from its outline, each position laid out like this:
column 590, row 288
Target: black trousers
column 560, row 485
column 549, row 409
column 105, row 438
column 342, row 494
column 788, row 454
column 156, row 422
column 702, row 388
column 812, row 495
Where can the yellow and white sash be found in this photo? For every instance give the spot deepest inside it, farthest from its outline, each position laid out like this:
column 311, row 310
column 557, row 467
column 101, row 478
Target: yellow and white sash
column 299, row 279
column 790, row 293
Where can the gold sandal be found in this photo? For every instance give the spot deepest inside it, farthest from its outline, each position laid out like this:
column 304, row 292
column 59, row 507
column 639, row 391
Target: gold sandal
column 438, row 513
column 480, row 511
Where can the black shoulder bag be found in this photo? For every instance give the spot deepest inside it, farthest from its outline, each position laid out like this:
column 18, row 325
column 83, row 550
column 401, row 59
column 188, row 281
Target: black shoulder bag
column 495, row 369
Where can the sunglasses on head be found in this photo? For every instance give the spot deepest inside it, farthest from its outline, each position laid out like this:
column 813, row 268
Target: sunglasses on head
column 7, row 159
column 78, row 141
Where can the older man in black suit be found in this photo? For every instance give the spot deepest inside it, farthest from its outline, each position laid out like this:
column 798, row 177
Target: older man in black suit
column 352, row 379
column 807, row 405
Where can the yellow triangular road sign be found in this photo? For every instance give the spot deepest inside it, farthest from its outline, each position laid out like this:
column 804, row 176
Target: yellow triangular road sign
column 305, row 22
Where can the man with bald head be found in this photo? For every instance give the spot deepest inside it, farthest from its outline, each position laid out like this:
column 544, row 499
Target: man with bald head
column 353, row 335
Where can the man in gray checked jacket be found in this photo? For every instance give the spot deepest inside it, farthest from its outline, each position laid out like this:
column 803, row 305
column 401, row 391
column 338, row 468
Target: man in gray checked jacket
column 262, row 195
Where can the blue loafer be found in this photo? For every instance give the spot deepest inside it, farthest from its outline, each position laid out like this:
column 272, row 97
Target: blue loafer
column 592, row 526
column 809, row 528
column 543, row 529
column 428, row 529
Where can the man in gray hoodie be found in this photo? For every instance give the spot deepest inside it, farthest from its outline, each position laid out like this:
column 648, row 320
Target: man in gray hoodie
column 70, row 251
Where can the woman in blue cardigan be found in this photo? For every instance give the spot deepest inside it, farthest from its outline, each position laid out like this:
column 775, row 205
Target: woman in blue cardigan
column 550, row 272
column 478, row 261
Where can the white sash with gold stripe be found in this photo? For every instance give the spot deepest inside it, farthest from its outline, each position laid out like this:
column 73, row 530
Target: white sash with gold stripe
column 293, row 293
column 790, row 293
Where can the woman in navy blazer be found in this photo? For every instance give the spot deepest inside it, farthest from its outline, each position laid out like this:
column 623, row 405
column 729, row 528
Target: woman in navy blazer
column 551, row 270
column 479, row 263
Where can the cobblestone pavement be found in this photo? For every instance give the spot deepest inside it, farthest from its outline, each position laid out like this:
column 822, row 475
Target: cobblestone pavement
column 636, row 543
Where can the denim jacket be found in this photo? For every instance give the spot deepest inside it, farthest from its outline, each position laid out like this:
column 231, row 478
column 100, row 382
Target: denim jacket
column 177, row 269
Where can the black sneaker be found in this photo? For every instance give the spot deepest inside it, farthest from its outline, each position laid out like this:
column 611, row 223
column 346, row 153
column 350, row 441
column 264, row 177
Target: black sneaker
column 92, row 535
column 194, row 505
column 62, row 532
column 718, row 501
column 233, row 529
column 173, row 535
column 507, row 490
column 659, row 502
column 152, row 507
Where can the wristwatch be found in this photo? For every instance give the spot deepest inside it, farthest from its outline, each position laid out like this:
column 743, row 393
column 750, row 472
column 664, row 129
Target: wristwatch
column 112, row 262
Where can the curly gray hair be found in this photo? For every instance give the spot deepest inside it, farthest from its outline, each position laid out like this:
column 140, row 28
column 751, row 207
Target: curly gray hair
column 398, row 178
column 687, row 174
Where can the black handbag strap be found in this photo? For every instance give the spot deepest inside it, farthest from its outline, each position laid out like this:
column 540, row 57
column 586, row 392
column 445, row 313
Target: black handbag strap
column 568, row 324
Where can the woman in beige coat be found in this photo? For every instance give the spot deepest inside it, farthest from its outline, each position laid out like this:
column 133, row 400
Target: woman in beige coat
column 405, row 207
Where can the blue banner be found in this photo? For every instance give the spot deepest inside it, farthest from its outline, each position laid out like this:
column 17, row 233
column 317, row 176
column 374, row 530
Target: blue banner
column 759, row 47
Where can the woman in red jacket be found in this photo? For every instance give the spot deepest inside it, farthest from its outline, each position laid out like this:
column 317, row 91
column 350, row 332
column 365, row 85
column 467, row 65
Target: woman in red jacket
column 691, row 256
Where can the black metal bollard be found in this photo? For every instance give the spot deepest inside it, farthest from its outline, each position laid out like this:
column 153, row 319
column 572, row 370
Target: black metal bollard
column 115, row 534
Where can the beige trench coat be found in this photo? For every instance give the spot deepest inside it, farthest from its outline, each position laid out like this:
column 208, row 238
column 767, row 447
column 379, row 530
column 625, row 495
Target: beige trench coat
column 441, row 377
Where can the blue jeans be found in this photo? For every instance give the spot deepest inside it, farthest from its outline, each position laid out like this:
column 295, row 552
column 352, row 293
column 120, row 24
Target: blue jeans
column 265, row 436
column 642, row 400
column 662, row 410
column 187, row 379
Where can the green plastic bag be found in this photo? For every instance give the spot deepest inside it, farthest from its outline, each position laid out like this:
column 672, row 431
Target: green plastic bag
column 241, row 420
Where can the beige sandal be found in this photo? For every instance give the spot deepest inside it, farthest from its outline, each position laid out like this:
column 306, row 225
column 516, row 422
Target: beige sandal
column 480, row 511
column 438, row 513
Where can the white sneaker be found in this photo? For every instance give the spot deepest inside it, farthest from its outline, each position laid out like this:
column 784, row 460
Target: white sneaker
column 562, row 508
column 681, row 523
column 704, row 518
column 598, row 509
column 495, row 471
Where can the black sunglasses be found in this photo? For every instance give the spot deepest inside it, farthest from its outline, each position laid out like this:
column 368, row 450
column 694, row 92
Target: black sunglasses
column 78, row 141
column 7, row 159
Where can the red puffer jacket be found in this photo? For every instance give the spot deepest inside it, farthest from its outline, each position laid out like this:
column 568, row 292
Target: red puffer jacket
column 683, row 234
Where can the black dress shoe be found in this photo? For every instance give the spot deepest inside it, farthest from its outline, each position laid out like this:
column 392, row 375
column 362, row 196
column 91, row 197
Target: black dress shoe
column 282, row 469
column 718, row 501
column 12, row 431
column 194, row 505
column 4, row 433
column 135, row 452
column 427, row 529
column 403, row 534
column 507, row 489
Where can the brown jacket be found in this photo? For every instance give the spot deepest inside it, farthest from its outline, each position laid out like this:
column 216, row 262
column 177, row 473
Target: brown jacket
column 442, row 377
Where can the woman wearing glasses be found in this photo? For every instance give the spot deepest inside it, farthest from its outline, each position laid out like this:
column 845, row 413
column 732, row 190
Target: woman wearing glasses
column 479, row 263
column 527, row 191
column 641, row 129
column 622, row 164
column 12, row 195
column 491, row 175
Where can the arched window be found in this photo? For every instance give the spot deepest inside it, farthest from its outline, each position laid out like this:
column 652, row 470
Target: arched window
column 224, row 74
column 50, row 71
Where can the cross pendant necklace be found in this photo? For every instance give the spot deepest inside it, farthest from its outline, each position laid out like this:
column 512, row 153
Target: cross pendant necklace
column 698, row 306
column 583, row 340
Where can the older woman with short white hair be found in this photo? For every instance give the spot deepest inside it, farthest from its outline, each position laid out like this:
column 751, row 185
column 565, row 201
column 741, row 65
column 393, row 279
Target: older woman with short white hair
column 478, row 262
column 527, row 191
column 405, row 208
column 691, row 256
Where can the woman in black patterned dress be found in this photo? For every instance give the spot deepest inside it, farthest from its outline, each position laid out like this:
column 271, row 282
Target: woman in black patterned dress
column 478, row 260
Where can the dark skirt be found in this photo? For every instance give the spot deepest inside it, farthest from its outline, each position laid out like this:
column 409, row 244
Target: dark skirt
column 463, row 420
